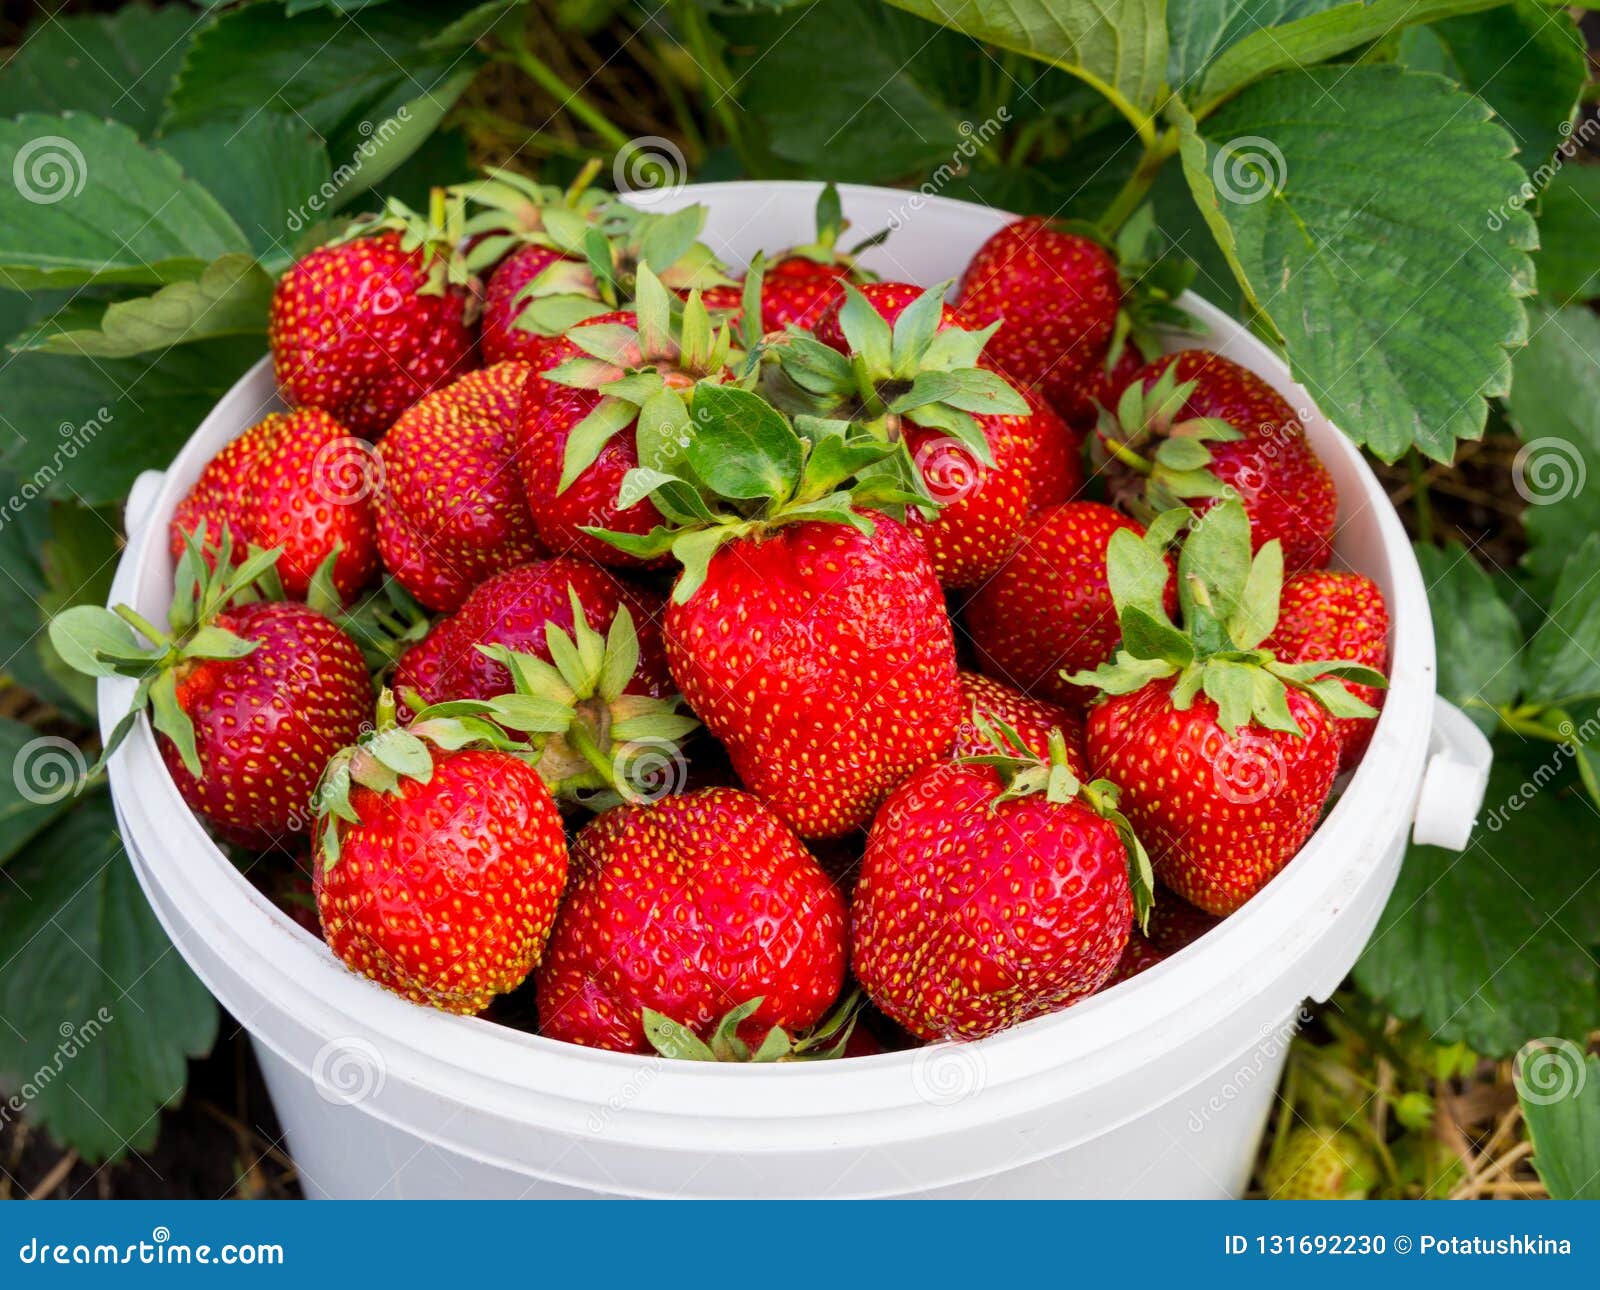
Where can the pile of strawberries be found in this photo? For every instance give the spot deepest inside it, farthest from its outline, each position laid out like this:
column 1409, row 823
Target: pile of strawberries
column 697, row 645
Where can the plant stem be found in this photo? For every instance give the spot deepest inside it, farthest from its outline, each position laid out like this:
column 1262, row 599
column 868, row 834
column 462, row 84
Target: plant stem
column 1421, row 496
column 690, row 21
column 519, row 55
column 1139, row 182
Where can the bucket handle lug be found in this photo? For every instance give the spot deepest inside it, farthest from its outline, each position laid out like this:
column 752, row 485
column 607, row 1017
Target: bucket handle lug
column 1454, row 780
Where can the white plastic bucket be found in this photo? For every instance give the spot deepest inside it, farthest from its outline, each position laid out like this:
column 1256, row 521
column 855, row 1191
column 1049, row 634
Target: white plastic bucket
column 1159, row 1087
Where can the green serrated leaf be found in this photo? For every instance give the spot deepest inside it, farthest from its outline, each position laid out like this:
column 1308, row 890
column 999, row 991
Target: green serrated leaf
column 741, row 446
column 1560, row 667
column 1477, row 640
column 1559, row 1089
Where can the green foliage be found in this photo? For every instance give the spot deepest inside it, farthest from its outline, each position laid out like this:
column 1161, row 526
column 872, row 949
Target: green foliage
column 1568, row 258
column 1476, row 637
column 1559, row 1090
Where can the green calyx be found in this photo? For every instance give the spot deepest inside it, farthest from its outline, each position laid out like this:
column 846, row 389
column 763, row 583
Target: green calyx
column 914, row 371
column 823, row 1042
column 727, row 464
column 119, row 642
column 1023, row 773
column 831, row 224
column 641, row 372
column 1152, row 280
column 384, row 623
column 510, row 210
column 604, row 746
column 437, row 235
column 1145, row 434
column 1229, row 604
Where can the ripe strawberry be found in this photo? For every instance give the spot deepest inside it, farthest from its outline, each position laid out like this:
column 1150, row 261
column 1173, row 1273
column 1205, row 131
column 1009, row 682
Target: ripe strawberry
column 577, row 434
column 295, row 480
column 516, row 609
column 1139, row 956
column 1048, row 610
column 992, row 893
column 691, row 906
column 988, row 453
column 808, row 635
column 366, row 325
column 1210, row 426
column 1175, row 924
column 249, row 698
column 451, row 510
column 1336, row 614
column 1055, row 295
column 440, row 862
column 1225, row 754
column 1030, row 718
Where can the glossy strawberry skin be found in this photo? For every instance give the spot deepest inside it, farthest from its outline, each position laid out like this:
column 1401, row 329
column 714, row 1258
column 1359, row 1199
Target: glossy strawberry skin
column 797, row 291
column 972, row 916
column 823, row 659
column 266, row 724
column 514, row 609
column 1056, row 295
column 1139, row 956
column 297, row 480
column 1048, row 609
column 353, row 333
column 1335, row 614
column 690, row 906
column 446, row 891
column 1220, row 814
column 549, row 414
column 451, row 511
column 1033, row 719
column 500, row 337
column 1286, row 491
column 1036, row 464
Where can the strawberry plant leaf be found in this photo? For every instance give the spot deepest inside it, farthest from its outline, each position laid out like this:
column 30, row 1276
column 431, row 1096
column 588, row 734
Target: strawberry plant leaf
column 102, row 1012
column 1555, row 407
column 91, row 204
column 118, row 65
column 231, row 297
column 1477, row 640
column 1568, row 258
column 1348, row 239
column 1525, row 59
column 1561, row 667
column 1490, row 946
column 1559, row 1089
column 741, row 446
column 38, row 776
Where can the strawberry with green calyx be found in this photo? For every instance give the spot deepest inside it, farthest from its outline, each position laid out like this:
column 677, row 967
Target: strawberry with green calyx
column 440, row 854
column 907, row 373
column 1032, row 719
column 995, row 890
column 804, row 281
column 364, row 325
column 616, row 746
column 386, row 623
column 806, row 630
column 1262, row 457
column 248, row 696
column 616, row 378
column 825, row 1041
column 509, row 211
column 1225, row 753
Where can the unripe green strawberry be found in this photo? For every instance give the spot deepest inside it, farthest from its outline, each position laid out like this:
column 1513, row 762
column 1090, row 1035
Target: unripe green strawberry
column 1318, row 1164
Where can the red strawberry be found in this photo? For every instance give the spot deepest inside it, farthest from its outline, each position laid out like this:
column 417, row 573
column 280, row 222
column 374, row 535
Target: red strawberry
column 1048, row 609
column 295, row 480
column 1175, row 924
column 439, row 866
column 1224, row 753
column 990, row 895
column 987, row 453
column 1336, row 614
column 515, row 609
column 452, row 511
column 689, row 907
column 1139, row 956
column 809, row 635
column 249, row 698
column 1055, row 295
column 503, row 303
column 1030, row 718
column 1262, row 454
column 367, row 325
